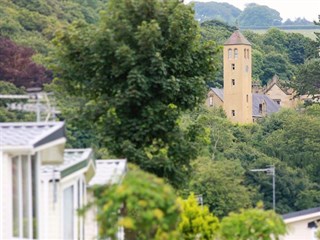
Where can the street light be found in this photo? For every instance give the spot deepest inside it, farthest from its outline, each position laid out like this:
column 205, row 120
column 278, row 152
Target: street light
column 271, row 170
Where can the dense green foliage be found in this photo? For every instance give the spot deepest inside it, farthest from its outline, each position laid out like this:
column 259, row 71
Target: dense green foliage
column 221, row 185
column 225, row 12
column 196, row 221
column 258, row 15
column 253, row 16
column 138, row 69
column 252, row 224
column 33, row 23
column 288, row 139
column 318, row 33
column 148, row 207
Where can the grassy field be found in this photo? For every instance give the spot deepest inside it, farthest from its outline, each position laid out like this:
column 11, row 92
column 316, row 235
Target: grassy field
column 306, row 32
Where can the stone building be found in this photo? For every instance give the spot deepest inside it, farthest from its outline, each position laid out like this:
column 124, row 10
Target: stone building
column 240, row 104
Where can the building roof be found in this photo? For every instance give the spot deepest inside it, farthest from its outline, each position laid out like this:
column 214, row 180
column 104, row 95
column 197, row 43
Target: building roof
column 257, row 99
column 301, row 213
column 237, row 39
column 74, row 160
column 29, row 134
column 218, row 92
column 276, row 81
column 109, row 171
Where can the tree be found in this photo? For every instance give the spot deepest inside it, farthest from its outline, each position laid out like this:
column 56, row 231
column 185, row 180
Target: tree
column 258, row 15
column 300, row 48
column 148, row 207
column 225, row 12
column 196, row 221
column 221, row 185
column 276, row 63
column 17, row 67
column 141, row 66
column 317, row 33
column 308, row 78
column 252, row 224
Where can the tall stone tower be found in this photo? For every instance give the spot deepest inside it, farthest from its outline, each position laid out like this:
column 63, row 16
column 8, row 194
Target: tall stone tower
column 237, row 78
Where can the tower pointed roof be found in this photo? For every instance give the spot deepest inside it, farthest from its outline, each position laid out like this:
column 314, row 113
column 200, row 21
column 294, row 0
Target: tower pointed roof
column 237, row 39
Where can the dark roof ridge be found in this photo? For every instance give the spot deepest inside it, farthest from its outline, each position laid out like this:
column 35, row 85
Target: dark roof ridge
column 301, row 213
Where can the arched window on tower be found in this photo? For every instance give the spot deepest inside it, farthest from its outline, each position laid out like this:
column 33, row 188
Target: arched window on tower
column 236, row 53
column 229, row 53
column 245, row 53
column 248, row 56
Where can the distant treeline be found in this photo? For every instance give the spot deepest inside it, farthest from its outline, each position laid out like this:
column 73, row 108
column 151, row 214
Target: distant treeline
column 282, row 27
column 253, row 16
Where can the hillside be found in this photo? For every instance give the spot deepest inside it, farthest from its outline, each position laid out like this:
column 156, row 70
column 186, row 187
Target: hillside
column 254, row 15
column 33, row 23
column 226, row 12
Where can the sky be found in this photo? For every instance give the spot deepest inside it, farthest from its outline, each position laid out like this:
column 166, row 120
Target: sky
column 310, row 9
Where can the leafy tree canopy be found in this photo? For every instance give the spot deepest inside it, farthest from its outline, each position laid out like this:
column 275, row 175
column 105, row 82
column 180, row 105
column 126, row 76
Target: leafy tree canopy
column 259, row 15
column 141, row 66
column 216, row 11
column 308, row 78
column 17, row 67
column 252, row 224
column 148, row 207
column 196, row 221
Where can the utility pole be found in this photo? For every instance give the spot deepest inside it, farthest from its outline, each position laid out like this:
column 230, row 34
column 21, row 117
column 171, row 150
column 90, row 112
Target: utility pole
column 271, row 170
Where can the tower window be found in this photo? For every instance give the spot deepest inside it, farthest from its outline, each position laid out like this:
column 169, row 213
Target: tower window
column 260, row 108
column 278, row 101
column 233, row 66
column 247, row 98
column 233, row 81
column 229, row 53
column 236, row 53
column 211, row 101
column 245, row 53
column 233, row 113
column 248, row 53
column 247, row 68
column 263, row 108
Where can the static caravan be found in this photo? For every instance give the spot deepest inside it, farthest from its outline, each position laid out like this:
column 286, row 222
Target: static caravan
column 108, row 172
column 302, row 225
column 24, row 148
column 64, row 190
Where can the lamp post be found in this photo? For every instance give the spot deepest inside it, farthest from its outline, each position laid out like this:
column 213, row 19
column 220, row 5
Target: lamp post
column 271, row 170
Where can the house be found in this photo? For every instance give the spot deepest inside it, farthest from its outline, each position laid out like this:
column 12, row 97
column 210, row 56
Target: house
column 24, row 148
column 215, row 97
column 282, row 95
column 64, row 190
column 302, row 224
column 262, row 105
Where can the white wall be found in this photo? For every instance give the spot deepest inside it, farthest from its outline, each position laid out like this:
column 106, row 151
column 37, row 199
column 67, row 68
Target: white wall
column 6, row 197
column 53, row 211
column 90, row 219
column 299, row 230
